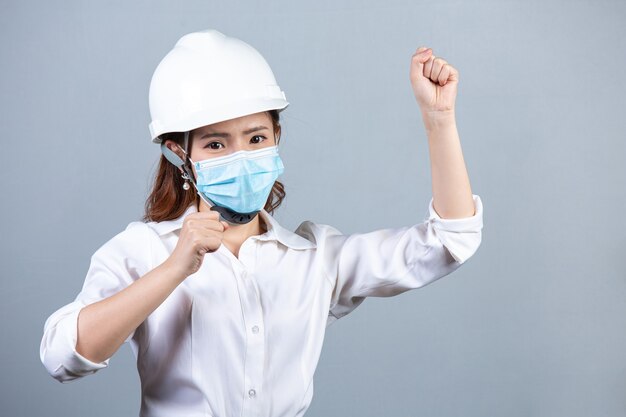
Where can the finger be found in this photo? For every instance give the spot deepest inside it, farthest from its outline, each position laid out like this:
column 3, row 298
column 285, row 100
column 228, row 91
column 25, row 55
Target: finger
column 211, row 244
column 211, row 226
column 444, row 74
column 202, row 215
column 428, row 66
column 454, row 74
column 438, row 64
column 203, row 238
column 213, row 215
column 420, row 56
column 226, row 225
column 203, row 223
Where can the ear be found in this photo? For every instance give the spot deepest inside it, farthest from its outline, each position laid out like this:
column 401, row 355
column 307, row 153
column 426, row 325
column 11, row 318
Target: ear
column 277, row 135
column 174, row 154
column 175, row 147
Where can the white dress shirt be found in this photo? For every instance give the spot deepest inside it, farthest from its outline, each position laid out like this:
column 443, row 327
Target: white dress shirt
column 242, row 336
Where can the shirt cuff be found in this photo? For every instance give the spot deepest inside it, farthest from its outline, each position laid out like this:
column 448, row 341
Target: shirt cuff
column 75, row 364
column 460, row 236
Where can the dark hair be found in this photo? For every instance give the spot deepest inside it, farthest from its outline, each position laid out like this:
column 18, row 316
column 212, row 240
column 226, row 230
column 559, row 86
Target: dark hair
column 168, row 200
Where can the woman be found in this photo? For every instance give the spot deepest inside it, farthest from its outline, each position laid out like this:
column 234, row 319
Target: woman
column 225, row 309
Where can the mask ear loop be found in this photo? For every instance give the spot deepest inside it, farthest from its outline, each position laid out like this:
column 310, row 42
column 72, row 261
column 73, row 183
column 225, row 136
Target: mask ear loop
column 176, row 161
column 187, row 175
column 187, row 172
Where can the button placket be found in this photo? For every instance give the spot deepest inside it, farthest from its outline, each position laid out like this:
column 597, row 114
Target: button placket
column 249, row 297
column 255, row 346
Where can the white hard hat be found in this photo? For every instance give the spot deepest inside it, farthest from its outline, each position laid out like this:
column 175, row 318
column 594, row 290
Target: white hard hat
column 207, row 78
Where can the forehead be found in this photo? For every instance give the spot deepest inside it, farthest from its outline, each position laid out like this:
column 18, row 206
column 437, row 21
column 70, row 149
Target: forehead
column 239, row 123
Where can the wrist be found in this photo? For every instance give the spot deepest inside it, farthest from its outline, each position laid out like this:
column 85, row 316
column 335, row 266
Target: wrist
column 171, row 271
column 434, row 120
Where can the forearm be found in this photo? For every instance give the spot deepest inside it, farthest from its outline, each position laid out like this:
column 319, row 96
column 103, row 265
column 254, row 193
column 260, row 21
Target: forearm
column 452, row 194
column 103, row 326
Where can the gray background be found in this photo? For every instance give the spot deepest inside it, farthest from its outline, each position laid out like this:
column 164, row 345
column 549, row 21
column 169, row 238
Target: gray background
column 532, row 325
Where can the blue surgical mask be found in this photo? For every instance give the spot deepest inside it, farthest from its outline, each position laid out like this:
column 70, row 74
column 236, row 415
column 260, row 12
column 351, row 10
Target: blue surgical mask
column 241, row 181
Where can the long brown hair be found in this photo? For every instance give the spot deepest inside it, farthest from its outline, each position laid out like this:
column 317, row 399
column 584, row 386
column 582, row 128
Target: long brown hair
column 168, row 200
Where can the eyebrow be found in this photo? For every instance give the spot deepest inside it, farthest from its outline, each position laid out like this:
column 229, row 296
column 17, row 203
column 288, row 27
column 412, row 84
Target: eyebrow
column 226, row 135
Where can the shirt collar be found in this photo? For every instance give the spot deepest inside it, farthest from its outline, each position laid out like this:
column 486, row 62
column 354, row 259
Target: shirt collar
column 288, row 238
column 274, row 232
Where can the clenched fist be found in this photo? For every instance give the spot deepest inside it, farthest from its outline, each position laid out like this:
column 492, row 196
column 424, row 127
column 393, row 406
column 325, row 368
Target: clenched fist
column 434, row 81
column 202, row 233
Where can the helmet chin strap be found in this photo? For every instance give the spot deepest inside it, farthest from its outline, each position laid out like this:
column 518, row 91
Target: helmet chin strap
column 227, row 214
column 232, row 216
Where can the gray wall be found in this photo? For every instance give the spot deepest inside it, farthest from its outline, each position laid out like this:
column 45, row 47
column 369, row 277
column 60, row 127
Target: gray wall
column 532, row 325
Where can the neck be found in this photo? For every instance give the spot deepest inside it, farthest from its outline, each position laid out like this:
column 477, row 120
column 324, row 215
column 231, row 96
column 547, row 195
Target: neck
column 236, row 234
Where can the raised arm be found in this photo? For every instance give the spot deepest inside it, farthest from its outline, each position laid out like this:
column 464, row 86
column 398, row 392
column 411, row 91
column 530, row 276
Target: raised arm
column 434, row 83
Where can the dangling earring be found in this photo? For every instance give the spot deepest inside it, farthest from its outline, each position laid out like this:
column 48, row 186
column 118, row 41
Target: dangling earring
column 186, row 183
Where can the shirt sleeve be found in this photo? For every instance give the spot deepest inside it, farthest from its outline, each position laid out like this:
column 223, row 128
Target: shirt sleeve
column 113, row 267
column 388, row 262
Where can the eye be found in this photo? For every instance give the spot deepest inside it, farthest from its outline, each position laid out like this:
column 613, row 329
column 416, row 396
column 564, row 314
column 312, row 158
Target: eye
column 214, row 145
column 257, row 139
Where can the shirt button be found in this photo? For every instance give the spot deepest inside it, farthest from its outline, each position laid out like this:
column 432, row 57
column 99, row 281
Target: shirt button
column 255, row 329
column 252, row 393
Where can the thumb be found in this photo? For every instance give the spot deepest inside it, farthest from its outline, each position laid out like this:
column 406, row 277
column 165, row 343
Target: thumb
column 420, row 57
